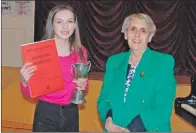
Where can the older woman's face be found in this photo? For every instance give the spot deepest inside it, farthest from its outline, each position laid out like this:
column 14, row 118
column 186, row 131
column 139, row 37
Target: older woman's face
column 137, row 34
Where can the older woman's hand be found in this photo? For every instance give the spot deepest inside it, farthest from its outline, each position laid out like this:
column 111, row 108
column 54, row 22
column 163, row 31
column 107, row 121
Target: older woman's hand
column 126, row 130
column 80, row 83
column 111, row 127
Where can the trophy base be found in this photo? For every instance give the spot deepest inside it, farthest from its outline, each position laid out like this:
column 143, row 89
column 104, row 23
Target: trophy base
column 78, row 102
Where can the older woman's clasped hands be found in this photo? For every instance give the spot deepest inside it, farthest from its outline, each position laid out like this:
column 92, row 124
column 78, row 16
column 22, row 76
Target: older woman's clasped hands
column 111, row 127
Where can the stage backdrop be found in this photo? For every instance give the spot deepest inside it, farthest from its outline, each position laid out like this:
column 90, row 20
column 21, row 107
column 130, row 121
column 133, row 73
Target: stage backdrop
column 100, row 28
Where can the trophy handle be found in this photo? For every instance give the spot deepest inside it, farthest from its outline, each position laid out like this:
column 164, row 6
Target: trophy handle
column 89, row 63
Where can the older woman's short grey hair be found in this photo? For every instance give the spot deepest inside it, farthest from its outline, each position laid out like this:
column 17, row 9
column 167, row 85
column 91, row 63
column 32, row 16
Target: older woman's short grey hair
column 147, row 20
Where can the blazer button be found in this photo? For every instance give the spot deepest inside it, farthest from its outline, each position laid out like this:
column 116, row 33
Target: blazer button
column 142, row 101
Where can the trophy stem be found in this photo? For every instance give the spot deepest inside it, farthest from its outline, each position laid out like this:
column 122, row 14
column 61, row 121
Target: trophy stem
column 78, row 97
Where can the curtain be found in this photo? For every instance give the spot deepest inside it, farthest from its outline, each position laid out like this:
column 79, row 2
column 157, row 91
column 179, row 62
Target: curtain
column 100, row 25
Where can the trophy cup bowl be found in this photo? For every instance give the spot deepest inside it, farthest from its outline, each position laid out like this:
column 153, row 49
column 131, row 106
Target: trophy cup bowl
column 79, row 70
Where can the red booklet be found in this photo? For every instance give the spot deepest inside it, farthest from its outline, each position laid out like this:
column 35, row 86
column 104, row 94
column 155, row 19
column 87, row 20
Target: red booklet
column 48, row 76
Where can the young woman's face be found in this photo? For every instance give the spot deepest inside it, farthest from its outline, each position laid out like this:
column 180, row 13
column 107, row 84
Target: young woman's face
column 63, row 24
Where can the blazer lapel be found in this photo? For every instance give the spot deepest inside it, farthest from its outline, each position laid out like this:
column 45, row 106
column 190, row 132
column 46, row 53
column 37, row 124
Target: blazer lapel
column 142, row 72
column 142, row 68
column 120, row 73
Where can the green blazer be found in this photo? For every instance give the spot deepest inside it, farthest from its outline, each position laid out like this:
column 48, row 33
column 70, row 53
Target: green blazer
column 151, row 93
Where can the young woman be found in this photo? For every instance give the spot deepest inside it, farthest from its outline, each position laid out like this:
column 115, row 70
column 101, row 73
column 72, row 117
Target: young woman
column 54, row 112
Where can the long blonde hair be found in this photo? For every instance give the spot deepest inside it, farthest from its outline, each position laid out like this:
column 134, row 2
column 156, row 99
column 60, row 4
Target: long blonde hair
column 75, row 42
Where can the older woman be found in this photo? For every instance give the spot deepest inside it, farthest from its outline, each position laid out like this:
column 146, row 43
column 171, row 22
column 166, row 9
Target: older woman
column 139, row 85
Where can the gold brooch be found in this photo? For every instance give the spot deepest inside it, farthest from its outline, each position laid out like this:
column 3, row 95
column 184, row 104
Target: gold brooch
column 142, row 74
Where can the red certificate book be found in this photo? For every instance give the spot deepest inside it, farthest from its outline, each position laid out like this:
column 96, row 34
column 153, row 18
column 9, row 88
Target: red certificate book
column 48, row 76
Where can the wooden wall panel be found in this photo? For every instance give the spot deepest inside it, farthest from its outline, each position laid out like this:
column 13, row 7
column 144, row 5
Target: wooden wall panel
column 17, row 112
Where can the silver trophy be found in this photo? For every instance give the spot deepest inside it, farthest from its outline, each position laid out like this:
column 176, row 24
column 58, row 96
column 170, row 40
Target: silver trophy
column 79, row 70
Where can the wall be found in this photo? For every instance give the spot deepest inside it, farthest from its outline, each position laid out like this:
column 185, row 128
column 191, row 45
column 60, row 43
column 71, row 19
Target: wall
column 17, row 29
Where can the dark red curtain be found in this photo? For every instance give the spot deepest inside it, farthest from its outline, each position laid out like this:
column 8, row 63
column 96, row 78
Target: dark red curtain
column 100, row 28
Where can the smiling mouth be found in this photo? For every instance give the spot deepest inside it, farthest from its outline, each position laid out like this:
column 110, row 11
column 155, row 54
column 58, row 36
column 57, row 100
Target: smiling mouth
column 136, row 41
column 65, row 32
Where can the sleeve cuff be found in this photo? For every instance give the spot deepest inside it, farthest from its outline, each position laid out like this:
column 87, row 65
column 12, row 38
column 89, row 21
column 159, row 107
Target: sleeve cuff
column 109, row 113
column 136, row 125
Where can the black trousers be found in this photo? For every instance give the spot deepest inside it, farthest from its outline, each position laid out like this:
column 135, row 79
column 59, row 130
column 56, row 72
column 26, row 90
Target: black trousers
column 51, row 117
